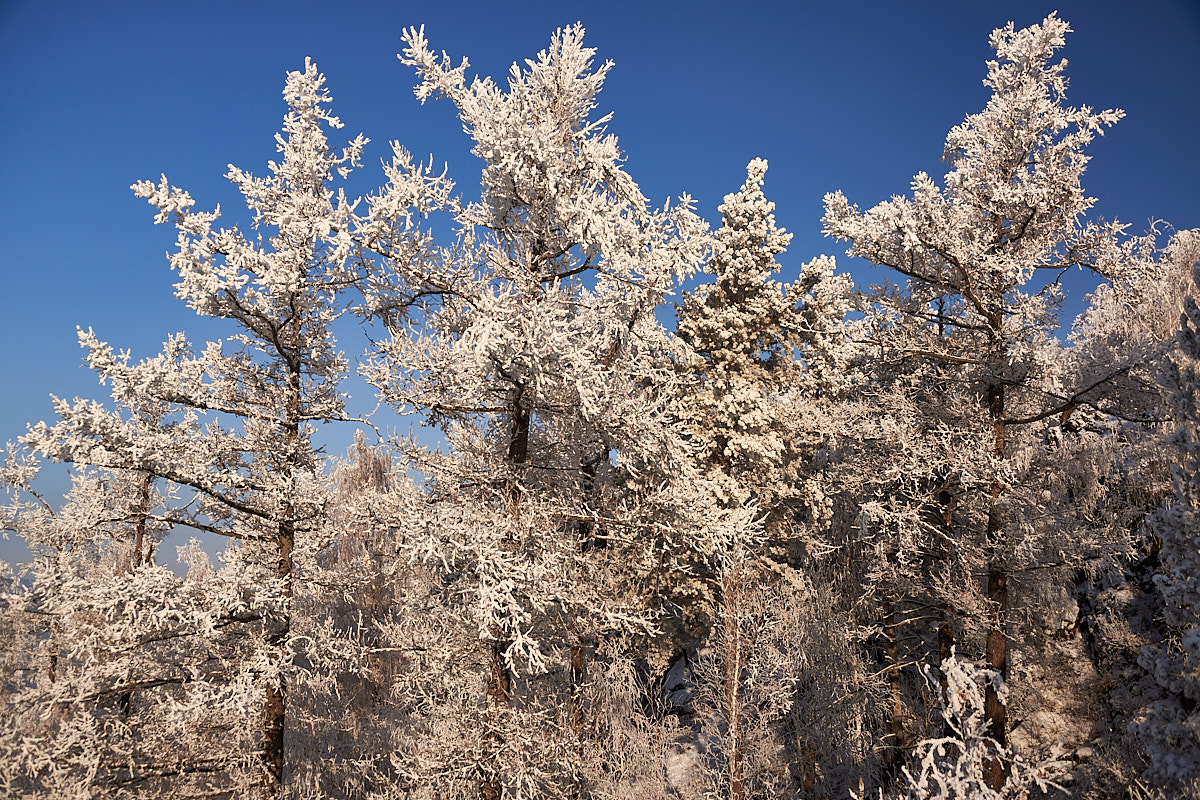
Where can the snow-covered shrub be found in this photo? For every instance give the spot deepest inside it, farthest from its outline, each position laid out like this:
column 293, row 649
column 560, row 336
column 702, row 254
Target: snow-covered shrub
column 952, row 767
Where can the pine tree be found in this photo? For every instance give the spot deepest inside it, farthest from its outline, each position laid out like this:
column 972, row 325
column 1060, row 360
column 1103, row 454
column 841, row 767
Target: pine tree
column 744, row 332
column 1171, row 727
column 228, row 430
column 753, row 341
column 530, row 343
column 1011, row 208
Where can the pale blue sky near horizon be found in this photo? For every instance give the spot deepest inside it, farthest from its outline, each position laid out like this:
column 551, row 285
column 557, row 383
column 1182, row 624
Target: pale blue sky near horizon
column 856, row 96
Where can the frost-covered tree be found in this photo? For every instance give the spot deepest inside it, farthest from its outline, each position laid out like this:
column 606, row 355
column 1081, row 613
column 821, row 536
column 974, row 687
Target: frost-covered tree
column 528, row 342
column 227, row 429
column 1011, row 208
column 1172, row 726
column 955, row 766
column 135, row 682
column 721, row 563
column 380, row 647
column 751, row 342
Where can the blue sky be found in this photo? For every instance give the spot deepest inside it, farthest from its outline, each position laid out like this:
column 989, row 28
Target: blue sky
column 855, row 96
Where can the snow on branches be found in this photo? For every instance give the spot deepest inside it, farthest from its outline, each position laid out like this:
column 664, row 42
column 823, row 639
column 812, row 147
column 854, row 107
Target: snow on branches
column 733, row 560
column 1171, row 725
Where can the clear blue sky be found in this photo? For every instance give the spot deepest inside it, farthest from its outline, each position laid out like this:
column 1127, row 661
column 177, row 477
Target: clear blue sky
column 855, row 96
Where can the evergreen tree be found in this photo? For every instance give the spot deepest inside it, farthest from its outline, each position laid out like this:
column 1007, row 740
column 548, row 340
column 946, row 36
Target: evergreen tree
column 752, row 342
column 529, row 342
column 1011, row 208
column 228, row 430
column 1172, row 727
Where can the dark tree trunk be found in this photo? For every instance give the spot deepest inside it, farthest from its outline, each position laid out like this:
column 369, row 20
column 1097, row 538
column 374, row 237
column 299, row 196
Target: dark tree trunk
column 578, row 673
column 591, row 537
column 139, row 534
column 275, row 705
column 948, row 504
column 140, row 557
column 499, row 688
column 997, row 592
column 896, row 740
column 499, row 694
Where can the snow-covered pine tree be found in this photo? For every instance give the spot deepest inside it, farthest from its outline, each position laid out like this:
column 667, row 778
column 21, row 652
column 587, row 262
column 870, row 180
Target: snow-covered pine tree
column 1011, row 208
column 1171, row 729
column 529, row 342
column 751, row 342
column 228, row 429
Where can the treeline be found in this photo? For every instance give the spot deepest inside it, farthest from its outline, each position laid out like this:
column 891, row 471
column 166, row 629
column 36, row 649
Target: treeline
column 817, row 541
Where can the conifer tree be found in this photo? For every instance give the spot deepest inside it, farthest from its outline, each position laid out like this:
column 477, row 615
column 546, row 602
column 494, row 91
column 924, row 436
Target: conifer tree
column 1011, row 208
column 1172, row 724
column 529, row 342
column 228, row 429
column 751, row 342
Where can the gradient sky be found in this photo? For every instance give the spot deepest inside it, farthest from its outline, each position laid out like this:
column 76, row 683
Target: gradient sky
column 849, row 95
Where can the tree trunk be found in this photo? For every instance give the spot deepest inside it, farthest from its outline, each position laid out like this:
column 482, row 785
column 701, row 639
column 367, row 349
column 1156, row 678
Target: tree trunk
column 945, row 649
column 578, row 673
column 896, row 740
column 139, row 532
column 731, row 589
column 52, row 660
column 275, row 705
column 997, row 592
column 948, row 503
column 499, row 688
column 518, row 443
column 499, row 694
column 139, row 557
column 590, row 538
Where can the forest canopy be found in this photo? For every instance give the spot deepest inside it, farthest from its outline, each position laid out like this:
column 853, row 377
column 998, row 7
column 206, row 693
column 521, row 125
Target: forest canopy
column 811, row 539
